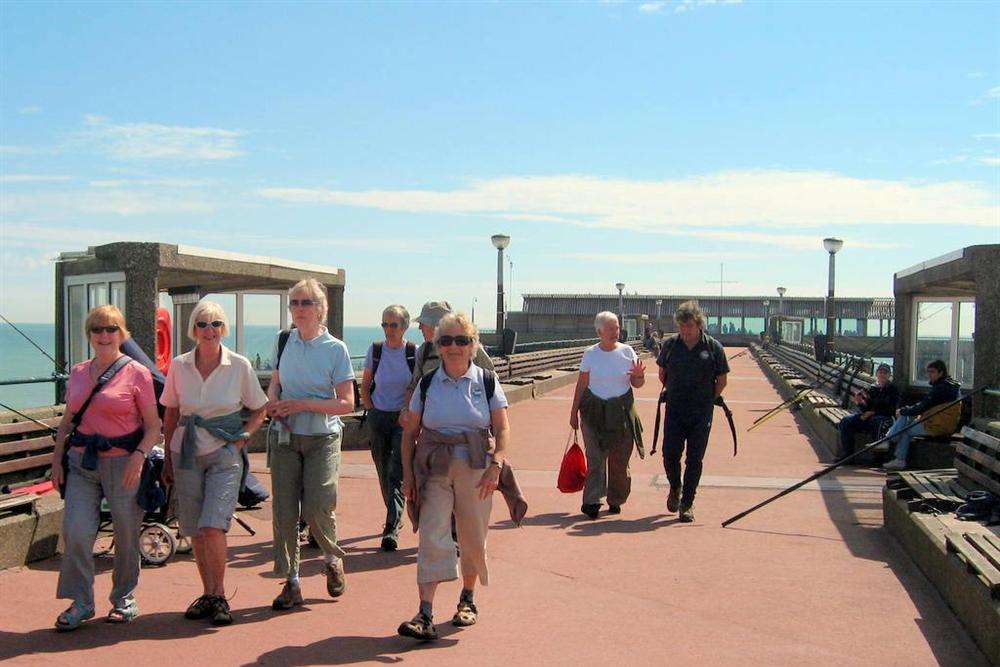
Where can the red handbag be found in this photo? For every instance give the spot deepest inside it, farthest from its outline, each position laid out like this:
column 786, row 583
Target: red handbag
column 573, row 471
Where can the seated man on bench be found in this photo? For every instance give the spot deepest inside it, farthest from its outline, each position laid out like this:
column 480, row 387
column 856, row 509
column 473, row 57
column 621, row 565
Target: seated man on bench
column 877, row 407
column 941, row 422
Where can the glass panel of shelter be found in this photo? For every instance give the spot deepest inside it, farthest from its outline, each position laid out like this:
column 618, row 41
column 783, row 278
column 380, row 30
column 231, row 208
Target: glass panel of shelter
column 944, row 329
column 965, row 358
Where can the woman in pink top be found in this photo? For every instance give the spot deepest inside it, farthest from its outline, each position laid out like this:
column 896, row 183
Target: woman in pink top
column 107, row 448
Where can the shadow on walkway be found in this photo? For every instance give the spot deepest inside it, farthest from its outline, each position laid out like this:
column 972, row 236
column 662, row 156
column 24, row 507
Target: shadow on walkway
column 351, row 650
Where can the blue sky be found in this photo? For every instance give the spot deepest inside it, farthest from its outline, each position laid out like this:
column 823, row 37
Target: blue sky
column 637, row 142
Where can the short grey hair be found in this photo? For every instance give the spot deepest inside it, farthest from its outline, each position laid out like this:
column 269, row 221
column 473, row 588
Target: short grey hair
column 457, row 320
column 209, row 310
column 400, row 312
column 316, row 292
column 689, row 311
column 603, row 318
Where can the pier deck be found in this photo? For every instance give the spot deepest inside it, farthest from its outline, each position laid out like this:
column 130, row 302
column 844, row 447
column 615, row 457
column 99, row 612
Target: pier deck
column 811, row 578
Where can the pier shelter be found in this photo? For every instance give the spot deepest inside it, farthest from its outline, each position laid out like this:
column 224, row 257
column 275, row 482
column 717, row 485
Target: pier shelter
column 948, row 308
column 133, row 275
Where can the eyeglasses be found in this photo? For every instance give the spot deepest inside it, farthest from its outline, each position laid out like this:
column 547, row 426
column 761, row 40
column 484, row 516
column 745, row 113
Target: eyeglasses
column 390, row 325
column 461, row 341
column 114, row 328
column 216, row 324
column 292, row 303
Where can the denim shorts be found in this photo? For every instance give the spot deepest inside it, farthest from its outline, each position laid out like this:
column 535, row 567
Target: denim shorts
column 207, row 492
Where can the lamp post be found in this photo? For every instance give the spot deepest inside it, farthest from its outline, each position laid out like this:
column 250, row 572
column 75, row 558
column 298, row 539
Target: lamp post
column 781, row 300
column 767, row 305
column 832, row 246
column 659, row 302
column 500, row 241
column 621, row 310
column 474, row 300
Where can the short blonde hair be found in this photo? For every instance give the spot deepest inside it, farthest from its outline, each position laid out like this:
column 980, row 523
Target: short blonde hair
column 400, row 312
column 209, row 310
column 316, row 292
column 603, row 318
column 455, row 320
column 106, row 316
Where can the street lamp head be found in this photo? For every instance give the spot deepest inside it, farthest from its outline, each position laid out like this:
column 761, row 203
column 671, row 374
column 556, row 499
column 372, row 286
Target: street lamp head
column 500, row 241
column 833, row 245
column 766, row 303
column 619, row 286
column 781, row 291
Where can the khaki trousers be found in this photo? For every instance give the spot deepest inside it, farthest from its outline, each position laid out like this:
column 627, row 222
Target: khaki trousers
column 441, row 496
column 607, row 470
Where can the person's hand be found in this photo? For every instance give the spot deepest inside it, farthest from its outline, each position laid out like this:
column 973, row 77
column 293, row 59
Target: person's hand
column 133, row 469
column 240, row 444
column 288, row 407
column 489, row 481
column 167, row 475
column 367, row 404
column 270, row 409
column 58, row 474
column 409, row 485
column 574, row 420
column 404, row 415
column 638, row 370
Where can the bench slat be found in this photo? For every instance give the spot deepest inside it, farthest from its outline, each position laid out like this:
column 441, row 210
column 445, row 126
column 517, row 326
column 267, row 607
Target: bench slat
column 25, row 463
column 979, row 478
column 974, row 560
column 981, row 438
column 17, row 428
column 29, row 445
column 989, row 552
column 982, row 458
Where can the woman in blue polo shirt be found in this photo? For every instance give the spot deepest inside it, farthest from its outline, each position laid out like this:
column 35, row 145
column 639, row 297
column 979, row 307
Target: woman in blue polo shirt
column 312, row 383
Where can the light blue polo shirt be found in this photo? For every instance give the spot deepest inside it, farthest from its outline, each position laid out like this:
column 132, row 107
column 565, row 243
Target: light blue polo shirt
column 391, row 378
column 458, row 406
column 310, row 370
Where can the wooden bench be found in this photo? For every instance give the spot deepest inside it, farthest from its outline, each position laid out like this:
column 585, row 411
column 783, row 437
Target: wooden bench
column 938, row 491
column 25, row 446
column 978, row 458
column 980, row 552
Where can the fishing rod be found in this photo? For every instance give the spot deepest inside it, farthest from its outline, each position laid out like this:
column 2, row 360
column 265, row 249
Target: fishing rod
column 31, row 419
column 37, row 346
column 851, row 457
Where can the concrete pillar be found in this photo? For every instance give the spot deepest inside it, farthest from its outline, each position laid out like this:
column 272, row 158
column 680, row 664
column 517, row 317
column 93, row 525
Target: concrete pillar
column 987, row 333
column 60, row 320
column 141, row 301
column 901, row 344
column 335, row 310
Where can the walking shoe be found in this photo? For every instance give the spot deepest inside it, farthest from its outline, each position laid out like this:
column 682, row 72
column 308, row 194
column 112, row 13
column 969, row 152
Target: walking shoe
column 466, row 615
column 591, row 510
column 220, row 611
column 895, row 464
column 614, row 509
column 389, row 543
column 200, row 608
column 290, row 596
column 673, row 499
column 420, row 627
column 336, row 583
column 687, row 514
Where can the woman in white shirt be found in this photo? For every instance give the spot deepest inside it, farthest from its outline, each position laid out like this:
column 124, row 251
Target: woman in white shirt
column 206, row 390
column 603, row 397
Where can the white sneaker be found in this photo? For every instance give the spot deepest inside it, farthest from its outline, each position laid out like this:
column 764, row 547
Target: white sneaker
column 895, row 464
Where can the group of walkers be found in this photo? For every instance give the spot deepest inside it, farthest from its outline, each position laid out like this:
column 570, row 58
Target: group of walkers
column 439, row 433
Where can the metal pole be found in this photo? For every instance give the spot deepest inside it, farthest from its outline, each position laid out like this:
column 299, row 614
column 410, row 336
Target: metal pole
column 830, row 317
column 500, row 313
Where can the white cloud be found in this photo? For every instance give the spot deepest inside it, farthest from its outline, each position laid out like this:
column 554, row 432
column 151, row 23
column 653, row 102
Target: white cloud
column 153, row 141
column 954, row 159
column 993, row 93
column 990, row 135
column 8, row 149
column 32, row 178
column 991, row 161
column 27, row 111
column 975, row 75
column 768, row 198
column 122, row 203
column 664, row 257
column 651, row 6
column 790, row 241
column 150, row 183
column 682, row 6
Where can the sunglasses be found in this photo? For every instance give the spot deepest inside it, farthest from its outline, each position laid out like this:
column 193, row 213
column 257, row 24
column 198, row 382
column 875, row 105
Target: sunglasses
column 216, row 324
column 292, row 303
column 390, row 325
column 461, row 341
column 114, row 328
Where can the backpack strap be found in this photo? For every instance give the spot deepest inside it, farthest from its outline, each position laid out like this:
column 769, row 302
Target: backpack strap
column 105, row 378
column 425, row 383
column 282, row 342
column 490, row 383
column 411, row 355
column 376, row 357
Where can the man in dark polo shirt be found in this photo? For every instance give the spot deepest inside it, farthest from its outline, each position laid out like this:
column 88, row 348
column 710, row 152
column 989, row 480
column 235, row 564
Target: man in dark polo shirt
column 693, row 370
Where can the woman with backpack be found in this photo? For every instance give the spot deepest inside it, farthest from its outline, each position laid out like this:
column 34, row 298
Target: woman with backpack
column 454, row 449
column 312, row 383
column 388, row 368
column 110, row 425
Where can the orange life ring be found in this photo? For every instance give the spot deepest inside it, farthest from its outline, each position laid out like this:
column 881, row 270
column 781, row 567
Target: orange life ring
column 164, row 347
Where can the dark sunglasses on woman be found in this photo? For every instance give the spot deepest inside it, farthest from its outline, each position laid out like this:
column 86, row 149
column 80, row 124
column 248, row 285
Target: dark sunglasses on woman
column 461, row 341
column 114, row 328
column 216, row 324
column 390, row 325
column 300, row 302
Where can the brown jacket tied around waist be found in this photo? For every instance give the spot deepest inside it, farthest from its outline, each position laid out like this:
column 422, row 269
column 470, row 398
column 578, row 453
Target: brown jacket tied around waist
column 432, row 457
column 612, row 419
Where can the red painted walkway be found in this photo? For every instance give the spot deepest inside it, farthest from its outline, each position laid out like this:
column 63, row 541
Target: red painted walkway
column 811, row 578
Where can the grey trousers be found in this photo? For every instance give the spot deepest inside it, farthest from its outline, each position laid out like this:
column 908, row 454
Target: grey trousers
column 607, row 470
column 386, row 444
column 81, row 515
column 305, row 475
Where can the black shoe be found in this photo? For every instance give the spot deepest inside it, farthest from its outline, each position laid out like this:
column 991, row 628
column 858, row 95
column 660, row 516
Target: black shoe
column 220, row 611
column 420, row 627
column 591, row 510
column 200, row 608
column 614, row 509
column 687, row 514
column 389, row 543
column 673, row 499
